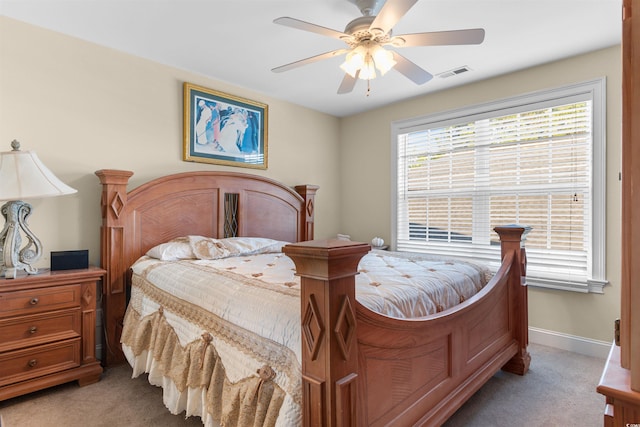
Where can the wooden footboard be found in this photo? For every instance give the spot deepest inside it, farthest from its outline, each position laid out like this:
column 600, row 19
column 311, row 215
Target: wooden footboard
column 362, row 368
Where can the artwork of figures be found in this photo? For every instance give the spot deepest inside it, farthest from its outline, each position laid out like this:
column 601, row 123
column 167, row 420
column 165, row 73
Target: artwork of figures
column 224, row 129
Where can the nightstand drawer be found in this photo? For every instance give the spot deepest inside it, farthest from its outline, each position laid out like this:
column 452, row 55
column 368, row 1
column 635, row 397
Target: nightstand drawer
column 27, row 331
column 21, row 365
column 38, row 300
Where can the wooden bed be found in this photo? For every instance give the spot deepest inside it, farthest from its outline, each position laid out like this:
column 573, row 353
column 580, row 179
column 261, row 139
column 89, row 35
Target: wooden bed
column 359, row 367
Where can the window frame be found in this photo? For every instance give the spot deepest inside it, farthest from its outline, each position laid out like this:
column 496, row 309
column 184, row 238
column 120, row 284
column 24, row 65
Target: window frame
column 593, row 89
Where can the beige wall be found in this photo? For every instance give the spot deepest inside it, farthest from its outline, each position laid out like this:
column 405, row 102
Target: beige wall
column 82, row 107
column 365, row 198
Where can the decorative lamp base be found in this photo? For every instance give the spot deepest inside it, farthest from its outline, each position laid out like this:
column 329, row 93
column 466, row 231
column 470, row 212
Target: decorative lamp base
column 13, row 258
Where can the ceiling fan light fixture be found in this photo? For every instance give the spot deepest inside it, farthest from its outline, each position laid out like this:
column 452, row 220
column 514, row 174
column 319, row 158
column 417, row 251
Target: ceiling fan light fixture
column 383, row 59
column 368, row 70
column 354, row 61
column 366, row 59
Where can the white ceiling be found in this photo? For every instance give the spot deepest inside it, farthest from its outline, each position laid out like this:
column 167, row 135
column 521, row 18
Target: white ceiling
column 237, row 42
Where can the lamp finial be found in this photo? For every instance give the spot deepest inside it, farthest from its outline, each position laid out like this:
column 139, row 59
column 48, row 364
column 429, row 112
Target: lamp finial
column 15, row 144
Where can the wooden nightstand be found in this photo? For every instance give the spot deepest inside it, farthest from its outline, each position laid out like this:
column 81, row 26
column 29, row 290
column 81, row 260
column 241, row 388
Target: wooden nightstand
column 48, row 330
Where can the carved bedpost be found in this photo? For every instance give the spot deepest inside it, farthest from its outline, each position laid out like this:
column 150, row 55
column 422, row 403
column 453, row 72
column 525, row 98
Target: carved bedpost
column 308, row 193
column 511, row 240
column 329, row 342
column 113, row 201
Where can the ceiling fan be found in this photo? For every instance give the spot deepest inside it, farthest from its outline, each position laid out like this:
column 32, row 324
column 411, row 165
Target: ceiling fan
column 367, row 37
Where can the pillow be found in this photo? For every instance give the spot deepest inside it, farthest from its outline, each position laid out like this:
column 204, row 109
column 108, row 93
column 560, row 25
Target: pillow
column 173, row 250
column 208, row 248
column 253, row 245
column 199, row 247
column 234, row 246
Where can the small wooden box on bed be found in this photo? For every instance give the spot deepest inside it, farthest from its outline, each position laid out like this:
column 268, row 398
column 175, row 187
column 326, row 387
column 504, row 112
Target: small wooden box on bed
column 359, row 367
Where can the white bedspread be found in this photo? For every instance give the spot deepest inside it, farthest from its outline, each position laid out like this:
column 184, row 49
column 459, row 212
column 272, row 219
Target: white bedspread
column 259, row 294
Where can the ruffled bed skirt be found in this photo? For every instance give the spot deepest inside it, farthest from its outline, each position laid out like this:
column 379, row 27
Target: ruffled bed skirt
column 193, row 377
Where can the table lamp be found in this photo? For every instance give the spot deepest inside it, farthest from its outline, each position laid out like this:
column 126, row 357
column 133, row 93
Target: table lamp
column 23, row 176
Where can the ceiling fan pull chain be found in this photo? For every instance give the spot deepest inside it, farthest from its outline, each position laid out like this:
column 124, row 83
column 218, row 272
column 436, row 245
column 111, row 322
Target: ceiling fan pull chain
column 368, row 87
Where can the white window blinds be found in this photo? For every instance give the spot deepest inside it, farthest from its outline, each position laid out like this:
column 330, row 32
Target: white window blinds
column 461, row 175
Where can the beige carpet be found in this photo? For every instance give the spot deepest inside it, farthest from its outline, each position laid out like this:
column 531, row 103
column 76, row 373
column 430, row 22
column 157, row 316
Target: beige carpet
column 558, row 391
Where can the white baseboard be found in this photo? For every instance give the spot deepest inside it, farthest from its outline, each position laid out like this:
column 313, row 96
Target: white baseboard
column 586, row 346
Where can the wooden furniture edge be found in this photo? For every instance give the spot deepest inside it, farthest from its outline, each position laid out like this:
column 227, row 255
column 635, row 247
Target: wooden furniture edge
column 622, row 402
column 333, row 390
column 329, row 348
column 620, row 381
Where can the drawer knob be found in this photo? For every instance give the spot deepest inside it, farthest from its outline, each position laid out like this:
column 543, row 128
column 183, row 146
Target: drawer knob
column 32, row 363
column 33, row 330
column 34, row 301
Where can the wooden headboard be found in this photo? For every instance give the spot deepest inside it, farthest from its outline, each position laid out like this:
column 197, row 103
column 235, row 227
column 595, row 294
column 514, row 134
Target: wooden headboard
column 207, row 203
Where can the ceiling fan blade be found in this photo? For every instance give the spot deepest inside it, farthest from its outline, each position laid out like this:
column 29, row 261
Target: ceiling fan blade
column 390, row 13
column 411, row 70
column 348, row 83
column 307, row 26
column 309, row 60
column 440, row 38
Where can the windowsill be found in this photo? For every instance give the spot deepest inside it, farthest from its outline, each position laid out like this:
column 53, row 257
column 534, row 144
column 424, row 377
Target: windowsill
column 590, row 286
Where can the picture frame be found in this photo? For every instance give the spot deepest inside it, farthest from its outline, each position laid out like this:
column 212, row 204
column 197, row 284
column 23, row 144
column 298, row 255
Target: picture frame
column 224, row 129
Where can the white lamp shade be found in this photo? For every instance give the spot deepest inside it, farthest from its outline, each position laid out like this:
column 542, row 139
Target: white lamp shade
column 354, row 61
column 24, row 176
column 368, row 70
column 383, row 59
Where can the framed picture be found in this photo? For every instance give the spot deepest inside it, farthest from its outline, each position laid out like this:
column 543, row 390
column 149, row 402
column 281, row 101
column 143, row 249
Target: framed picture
column 224, row 129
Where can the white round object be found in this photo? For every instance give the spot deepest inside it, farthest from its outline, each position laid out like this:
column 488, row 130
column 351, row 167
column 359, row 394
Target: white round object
column 377, row 241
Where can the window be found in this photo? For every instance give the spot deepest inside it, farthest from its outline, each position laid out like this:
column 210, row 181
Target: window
column 536, row 160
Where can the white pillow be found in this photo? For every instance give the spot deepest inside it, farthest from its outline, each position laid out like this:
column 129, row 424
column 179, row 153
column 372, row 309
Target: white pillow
column 173, row 250
column 208, row 248
column 235, row 246
column 199, row 247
